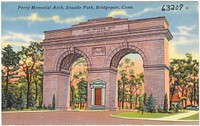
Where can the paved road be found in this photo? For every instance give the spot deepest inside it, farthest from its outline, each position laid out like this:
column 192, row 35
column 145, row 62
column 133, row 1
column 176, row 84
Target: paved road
column 77, row 118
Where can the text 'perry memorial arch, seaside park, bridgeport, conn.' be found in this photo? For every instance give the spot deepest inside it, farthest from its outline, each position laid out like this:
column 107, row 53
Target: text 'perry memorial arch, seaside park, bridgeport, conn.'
column 103, row 42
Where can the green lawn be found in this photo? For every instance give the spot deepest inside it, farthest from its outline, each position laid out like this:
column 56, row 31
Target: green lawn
column 193, row 117
column 144, row 115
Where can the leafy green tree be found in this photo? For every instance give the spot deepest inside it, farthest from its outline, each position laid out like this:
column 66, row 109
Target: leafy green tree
column 4, row 101
column 165, row 107
column 10, row 60
column 30, row 56
column 184, row 78
column 32, row 102
column 135, row 84
column 37, row 81
column 145, row 99
column 141, row 104
column 151, row 104
column 82, row 92
column 22, row 101
column 11, row 101
column 124, row 72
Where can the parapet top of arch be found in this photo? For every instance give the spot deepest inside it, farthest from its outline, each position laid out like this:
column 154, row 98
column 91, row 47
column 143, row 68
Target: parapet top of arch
column 99, row 21
column 109, row 25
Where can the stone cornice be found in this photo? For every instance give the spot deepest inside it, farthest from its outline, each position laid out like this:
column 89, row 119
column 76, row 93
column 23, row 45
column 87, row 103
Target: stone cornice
column 131, row 34
column 102, row 70
column 65, row 73
column 156, row 66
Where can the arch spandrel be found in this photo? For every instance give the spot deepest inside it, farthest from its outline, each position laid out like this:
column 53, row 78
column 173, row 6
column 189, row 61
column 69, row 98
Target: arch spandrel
column 69, row 57
column 115, row 56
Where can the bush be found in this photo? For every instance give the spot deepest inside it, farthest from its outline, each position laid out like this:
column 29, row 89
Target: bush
column 165, row 107
column 159, row 109
column 151, row 104
column 44, row 107
column 53, row 102
column 50, row 107
column 173, row 108
column 178, row 107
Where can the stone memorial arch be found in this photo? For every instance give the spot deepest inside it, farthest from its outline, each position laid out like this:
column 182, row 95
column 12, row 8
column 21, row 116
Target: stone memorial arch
column 103, row 42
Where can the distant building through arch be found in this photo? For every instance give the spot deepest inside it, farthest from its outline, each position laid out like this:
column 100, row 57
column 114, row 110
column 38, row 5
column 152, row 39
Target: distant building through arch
column 103, row 42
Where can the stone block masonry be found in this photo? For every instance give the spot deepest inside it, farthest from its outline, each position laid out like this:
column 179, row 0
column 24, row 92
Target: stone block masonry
column 103, row 42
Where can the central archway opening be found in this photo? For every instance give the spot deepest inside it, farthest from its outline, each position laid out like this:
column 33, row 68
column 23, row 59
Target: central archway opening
column 78, row 84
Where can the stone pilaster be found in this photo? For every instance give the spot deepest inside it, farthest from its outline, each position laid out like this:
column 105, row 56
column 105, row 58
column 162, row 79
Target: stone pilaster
column 57, row 82
column 156, row 82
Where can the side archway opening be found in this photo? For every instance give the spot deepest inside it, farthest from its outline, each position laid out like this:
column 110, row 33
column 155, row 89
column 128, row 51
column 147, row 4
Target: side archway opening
column 130, row 78
column 72, row 88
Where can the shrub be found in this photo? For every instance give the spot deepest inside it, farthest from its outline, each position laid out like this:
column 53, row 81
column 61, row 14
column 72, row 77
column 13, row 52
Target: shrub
column 165, row 107
column 173, row 108
column 44, row 107
column 53, row 102
column 151, row 104
column 159, row 109
column 178, row 107
column 49, row 107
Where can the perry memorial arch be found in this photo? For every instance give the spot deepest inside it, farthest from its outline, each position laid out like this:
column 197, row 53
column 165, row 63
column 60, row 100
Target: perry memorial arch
column 103, row 42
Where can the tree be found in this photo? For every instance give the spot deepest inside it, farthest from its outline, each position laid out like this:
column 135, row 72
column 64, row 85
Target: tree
column 32, row 102
column 151, row 104
column 82, row 92
column 165, row 107
column 124, row 72
column 11, row 101
column 30, row 56
column 53, row 102
column 4, row 101
column 145, row 101
column 22, row 101
column 37, row 81
column 135, row 84
column 141, row 105
column 10, row 60
column 184, row 78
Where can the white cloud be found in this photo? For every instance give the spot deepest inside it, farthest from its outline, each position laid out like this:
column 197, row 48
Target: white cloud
column 173, row 52
column 19, row 39
column 185, row 30
column 146, row 10
column 184, row 40
column 34, row 17
column 15, row 36
column 115, row 13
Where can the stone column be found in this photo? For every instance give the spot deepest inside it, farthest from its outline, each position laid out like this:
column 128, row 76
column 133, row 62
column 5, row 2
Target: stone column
column 56, row 82
column 103, row 96
column 64, row 92
column 50, row 87
column 113, row 91
column 92, row 99
column 156, row 82
column 89, row 98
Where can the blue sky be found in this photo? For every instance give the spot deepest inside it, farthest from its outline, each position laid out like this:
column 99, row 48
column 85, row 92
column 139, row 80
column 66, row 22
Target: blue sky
column 20, row 26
